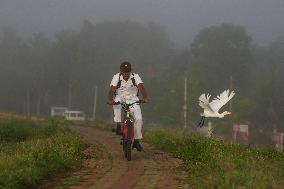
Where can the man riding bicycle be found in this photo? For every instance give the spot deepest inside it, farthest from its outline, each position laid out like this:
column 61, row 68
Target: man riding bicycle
column 125, row 87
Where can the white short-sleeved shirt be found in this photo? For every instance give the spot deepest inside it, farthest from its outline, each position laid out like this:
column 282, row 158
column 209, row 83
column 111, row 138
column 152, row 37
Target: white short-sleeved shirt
column 127, row 91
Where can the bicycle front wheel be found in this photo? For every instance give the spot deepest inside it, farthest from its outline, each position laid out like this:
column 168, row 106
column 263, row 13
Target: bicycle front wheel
column 129, row 139
column 128, row 150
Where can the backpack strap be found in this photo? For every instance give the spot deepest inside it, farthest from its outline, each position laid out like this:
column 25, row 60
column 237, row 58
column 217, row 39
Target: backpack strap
column 133, row 80
column 134, row 83
column 119, row 82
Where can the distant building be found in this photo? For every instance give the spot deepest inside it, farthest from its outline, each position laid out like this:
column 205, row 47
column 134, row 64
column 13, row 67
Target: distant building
column 57, row 111
column 74, row 115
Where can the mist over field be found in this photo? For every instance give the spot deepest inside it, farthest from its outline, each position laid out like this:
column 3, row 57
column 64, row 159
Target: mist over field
column 55, row 53
column 183, row 19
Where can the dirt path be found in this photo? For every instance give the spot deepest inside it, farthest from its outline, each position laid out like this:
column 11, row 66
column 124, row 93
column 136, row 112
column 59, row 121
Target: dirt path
column 151, row 169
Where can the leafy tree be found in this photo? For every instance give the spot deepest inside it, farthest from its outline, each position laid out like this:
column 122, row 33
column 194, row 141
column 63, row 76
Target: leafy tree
column 223, row 51
column 15, row 75
column 216, row 54
column 268, row 88
column 40, row 48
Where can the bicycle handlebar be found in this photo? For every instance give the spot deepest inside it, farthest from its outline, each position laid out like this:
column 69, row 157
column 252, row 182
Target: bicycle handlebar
column 117, row 103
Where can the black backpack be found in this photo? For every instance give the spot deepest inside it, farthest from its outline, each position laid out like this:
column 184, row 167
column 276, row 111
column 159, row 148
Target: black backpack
column 119, row 83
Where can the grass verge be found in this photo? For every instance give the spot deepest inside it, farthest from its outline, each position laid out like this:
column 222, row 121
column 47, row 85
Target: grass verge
column 212, row 163
column 30, row 153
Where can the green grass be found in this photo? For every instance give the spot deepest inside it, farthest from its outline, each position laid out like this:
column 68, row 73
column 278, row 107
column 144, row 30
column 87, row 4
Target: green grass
column 212, row 163
column 30, row 153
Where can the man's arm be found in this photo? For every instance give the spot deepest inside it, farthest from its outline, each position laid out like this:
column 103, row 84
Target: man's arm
column 111, row 94
column 143, row 92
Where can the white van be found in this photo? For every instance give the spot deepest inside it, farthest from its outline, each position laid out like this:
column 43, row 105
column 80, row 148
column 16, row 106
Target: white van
column 74, row 115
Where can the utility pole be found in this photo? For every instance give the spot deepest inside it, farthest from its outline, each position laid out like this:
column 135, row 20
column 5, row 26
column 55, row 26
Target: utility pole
column 28, row 103
column 185, row 102
column 231, row 88
column 95, row 102
column 38, row 105
column 69, row 96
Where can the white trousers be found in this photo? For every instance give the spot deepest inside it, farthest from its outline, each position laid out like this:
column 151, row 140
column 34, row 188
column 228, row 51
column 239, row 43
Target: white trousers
column 136, row 112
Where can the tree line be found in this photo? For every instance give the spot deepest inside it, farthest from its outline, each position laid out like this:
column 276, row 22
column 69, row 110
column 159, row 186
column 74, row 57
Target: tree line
column 39, row 72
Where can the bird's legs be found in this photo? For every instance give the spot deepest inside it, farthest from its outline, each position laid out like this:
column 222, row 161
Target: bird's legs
column 198, row 125
column 201, row 122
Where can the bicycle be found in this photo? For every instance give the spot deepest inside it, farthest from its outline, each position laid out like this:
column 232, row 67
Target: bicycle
column 127, row 128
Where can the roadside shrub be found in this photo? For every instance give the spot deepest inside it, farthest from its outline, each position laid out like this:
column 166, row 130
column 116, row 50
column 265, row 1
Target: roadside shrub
column 212, row 163
column 29, row 153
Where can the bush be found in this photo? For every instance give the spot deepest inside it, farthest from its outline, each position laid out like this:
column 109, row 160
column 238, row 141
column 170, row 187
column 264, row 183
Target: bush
column 29, row 153
column 212, row 163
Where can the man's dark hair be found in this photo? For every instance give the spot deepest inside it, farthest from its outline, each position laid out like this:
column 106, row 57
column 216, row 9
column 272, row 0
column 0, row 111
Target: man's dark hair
column 125, row 67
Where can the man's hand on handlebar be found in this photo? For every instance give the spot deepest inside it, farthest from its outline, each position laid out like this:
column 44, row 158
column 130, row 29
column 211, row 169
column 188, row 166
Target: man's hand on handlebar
column 144, row 100
column 111, row 102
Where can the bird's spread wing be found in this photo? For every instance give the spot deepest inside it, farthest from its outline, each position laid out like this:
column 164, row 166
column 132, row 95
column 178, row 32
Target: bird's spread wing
column 221, row 100
column 204, row 100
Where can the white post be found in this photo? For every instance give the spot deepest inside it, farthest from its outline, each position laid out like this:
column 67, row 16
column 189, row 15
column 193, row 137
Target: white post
column 95, row 102
column 209, row 129
column 38, row 105
column 185, row 104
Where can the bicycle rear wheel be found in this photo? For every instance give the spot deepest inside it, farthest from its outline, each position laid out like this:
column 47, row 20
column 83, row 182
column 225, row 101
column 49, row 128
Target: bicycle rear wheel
column 128, row 150
column 125, row 148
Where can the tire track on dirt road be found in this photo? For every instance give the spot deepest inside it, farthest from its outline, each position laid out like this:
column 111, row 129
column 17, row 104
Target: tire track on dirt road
column 150, row 169
column 122, row 174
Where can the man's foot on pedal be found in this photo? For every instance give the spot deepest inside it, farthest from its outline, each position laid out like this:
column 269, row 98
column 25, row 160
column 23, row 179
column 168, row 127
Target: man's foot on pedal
column 137, row 145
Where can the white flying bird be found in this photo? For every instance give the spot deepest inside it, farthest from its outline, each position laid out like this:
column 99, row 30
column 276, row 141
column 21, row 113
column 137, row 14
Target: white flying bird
column 211, row 108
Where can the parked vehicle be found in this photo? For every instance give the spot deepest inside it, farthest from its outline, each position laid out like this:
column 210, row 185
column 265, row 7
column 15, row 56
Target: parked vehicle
column 74, row 115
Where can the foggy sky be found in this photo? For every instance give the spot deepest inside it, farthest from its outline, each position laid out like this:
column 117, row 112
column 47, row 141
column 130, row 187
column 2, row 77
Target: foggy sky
column 183, row 19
